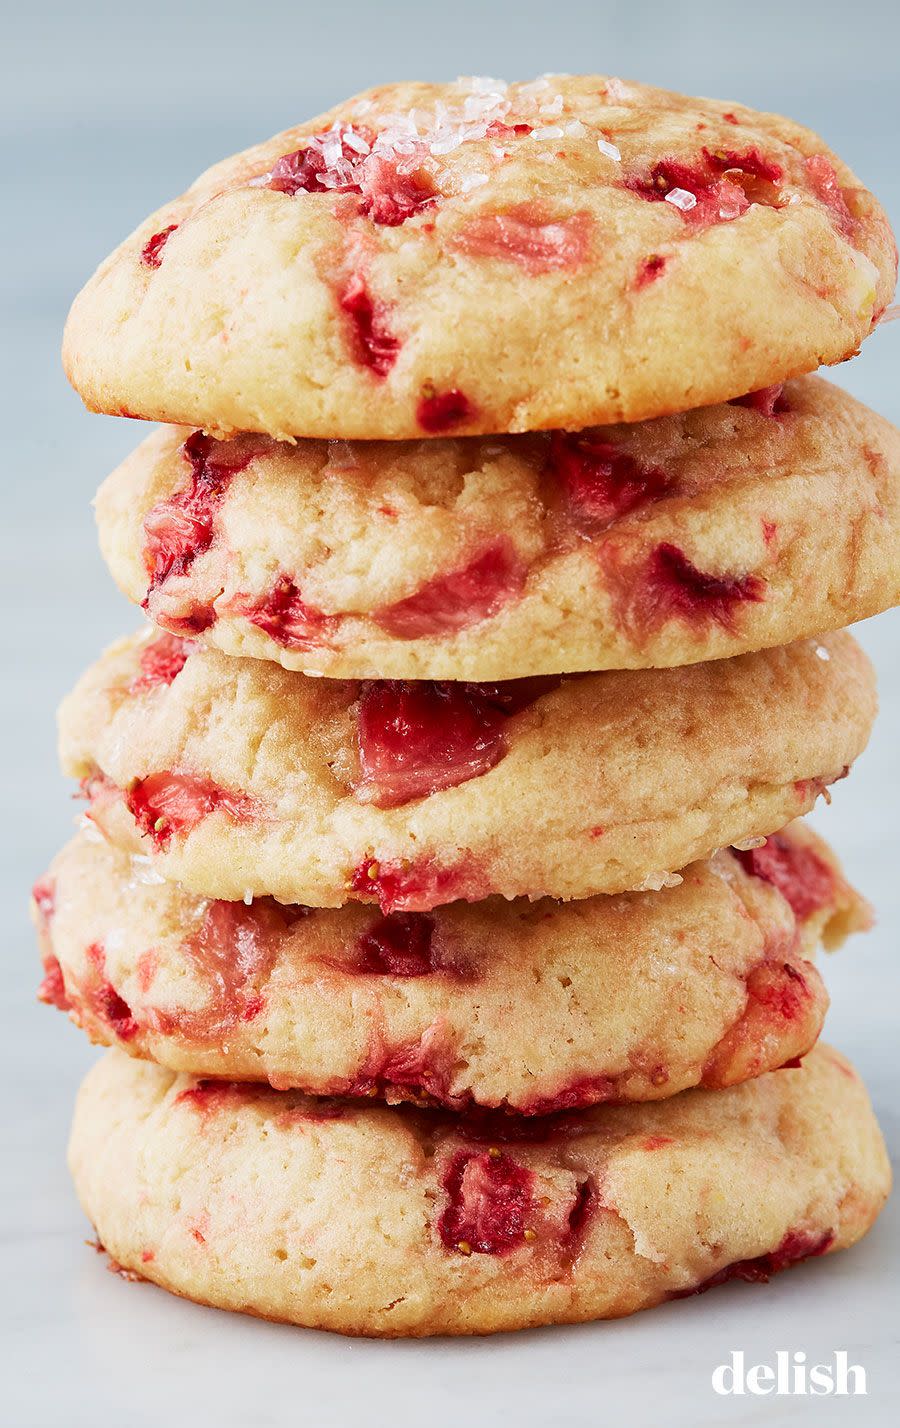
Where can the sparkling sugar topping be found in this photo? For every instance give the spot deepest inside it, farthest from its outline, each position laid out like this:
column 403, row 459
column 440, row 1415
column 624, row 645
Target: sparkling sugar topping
column 680, row 198
column 350, row 156
column 446, row 127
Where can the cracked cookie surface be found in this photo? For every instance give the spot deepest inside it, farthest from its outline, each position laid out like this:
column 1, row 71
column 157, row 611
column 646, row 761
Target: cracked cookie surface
column 395, row 1221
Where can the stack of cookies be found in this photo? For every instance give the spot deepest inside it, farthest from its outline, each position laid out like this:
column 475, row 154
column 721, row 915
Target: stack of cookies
column 469, row 984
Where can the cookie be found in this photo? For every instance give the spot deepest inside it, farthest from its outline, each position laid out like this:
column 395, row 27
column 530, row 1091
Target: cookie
column 391, row 1222
column 477, row 257
column 722, row 530
column 239, row 778
column 534, row 1006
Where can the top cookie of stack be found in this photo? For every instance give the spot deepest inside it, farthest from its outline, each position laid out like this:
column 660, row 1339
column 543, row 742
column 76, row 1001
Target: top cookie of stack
column 483, row 258
column 479, row 258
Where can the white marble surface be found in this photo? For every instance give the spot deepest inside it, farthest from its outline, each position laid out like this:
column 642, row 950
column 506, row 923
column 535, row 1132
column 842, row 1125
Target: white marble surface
column 106, row 110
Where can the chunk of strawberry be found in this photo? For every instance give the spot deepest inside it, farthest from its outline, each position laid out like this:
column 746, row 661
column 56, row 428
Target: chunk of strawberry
column 599, row 481
column 52, row 990
column 180, row 528
column 804, row 879
column 489, row 1202
column 169, row 803
column 152, row 251
column 665, row 585
column 400, row 945
column 441, row 411
column 374, row 344
column 162, row 660
column 448, row 603
column 524, row 235
column 826, row 186
column 416, row 738
column 286, row 617
column 796, row 1245
column 768, row 401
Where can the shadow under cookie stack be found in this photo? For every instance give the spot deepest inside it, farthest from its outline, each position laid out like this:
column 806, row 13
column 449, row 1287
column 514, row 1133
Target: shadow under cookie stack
column 469, row 984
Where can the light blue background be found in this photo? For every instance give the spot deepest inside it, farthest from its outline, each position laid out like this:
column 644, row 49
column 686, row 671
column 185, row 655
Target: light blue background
column 107, row 110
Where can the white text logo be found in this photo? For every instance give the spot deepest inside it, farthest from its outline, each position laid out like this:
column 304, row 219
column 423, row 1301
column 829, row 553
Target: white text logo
column 791, row 1374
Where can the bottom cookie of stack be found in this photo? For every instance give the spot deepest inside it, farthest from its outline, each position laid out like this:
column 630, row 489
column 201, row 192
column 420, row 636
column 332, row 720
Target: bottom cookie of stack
column 385, row 1221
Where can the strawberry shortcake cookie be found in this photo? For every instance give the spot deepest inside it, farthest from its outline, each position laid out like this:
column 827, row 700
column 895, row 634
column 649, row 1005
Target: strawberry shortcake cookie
column 533, row 1006
column 428, row 259
column 238, row 778
column 393, row 1221
column 710, row 533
